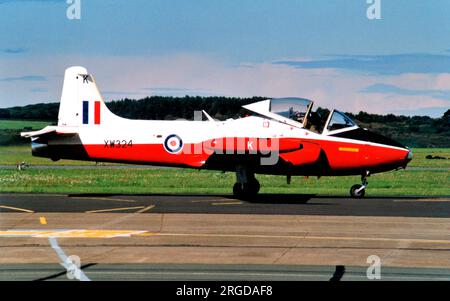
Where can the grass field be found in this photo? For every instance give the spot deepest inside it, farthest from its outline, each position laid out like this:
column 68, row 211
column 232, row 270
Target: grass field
column 21, row 124
column 11, row 155
column 427, row 178
column 10, row 130
column 413, row 182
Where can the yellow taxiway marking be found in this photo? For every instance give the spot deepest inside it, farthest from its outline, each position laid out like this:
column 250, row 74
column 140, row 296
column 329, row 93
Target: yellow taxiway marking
column 115, row 209
column 25, row 233
column 91, row 233
column 349, row 149
column 227, row 203
column 79, row 233
column 104, row 199
column 70, row 233
column 43, row 220
column 17, row 209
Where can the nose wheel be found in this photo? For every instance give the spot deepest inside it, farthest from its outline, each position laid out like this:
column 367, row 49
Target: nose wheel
column 359, row 190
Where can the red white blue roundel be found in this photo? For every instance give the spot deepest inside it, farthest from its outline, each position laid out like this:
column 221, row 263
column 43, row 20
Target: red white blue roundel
column 173, row 144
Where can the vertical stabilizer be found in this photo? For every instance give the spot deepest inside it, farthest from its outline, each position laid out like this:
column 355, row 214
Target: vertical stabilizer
column 81, row 103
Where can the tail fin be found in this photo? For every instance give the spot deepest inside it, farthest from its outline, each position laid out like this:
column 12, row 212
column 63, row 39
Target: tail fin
column 81, row 103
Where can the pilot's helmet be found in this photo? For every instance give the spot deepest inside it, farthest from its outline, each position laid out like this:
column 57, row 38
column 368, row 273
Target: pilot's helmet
column 298, row 115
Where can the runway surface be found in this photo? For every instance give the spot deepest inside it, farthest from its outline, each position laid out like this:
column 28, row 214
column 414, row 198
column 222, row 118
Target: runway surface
column 273, row 204
column 196, row 272
column 198, row 237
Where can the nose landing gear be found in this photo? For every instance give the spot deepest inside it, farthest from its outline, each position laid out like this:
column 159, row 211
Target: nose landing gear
column 359, row 190
column 246, row 184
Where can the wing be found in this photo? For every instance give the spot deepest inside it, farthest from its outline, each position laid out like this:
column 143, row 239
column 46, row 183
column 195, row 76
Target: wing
column 291, row 150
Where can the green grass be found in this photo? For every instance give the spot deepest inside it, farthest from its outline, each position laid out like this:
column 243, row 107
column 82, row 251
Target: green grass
column 21, row 124
column 413, row 182
column 419, row 159
column 11, row 155
column 432, row 181
column 10, row 130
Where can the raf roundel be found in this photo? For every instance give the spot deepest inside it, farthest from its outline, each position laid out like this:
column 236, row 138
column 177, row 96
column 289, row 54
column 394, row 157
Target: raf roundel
column 173, row 144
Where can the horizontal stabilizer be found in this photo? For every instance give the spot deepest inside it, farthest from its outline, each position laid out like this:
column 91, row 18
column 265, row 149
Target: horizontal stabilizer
column 49, row 130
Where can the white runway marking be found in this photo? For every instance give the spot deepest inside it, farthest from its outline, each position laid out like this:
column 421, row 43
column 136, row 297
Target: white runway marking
column 65, row 260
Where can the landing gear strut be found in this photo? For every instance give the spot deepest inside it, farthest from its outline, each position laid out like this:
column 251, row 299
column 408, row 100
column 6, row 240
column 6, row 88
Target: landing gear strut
column 246, row 184
column 357, row 190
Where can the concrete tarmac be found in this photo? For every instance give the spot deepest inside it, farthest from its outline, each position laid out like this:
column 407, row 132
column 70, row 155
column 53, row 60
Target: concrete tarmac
column 272, row 204
column 198, row 272
column 198, row 237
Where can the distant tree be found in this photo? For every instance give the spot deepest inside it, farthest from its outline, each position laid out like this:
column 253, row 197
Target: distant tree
column 446, row 116
column 417, row 131
column 5, row 114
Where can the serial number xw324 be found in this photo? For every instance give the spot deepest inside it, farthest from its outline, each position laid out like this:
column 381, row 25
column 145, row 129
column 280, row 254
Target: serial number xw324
column 118, row 143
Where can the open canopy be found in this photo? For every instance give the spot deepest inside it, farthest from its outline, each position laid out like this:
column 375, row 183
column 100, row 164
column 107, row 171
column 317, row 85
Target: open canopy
column 293, row 108
column 297, row 112
column 289, row 110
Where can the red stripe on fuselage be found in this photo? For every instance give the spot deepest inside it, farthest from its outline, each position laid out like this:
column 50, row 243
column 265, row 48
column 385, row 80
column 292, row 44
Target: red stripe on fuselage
column 97, row 112
column 145, row 153
column 340, row 155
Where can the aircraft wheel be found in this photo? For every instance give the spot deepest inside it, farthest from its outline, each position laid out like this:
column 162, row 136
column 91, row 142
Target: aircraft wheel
column 251, row 188
column 246, row 190
column 238, row 191
column 357, row 194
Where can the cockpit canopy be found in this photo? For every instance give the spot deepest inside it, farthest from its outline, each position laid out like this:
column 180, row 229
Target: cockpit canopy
column 298, row 112
column 293, row 108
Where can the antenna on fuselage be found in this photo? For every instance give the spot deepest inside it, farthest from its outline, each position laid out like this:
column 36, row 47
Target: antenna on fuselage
column 207, row 116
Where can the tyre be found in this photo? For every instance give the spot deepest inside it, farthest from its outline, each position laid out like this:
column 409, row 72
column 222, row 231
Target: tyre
column 357, row 194
column 254, row 187
column 238, row 191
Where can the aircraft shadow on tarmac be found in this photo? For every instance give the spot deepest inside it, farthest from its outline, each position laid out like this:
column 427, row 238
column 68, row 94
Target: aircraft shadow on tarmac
column 263, row 198
column 275, row 198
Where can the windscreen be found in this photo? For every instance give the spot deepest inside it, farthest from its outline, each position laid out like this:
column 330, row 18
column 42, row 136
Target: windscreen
column 339, row 121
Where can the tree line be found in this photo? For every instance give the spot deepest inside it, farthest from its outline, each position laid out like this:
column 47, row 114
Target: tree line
column 416, row 131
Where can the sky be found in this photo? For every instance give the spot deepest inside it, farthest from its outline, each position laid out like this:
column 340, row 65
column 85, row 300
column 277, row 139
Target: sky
column 325, row 50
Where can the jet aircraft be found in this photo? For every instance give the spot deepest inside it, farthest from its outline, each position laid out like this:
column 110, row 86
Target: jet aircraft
column 279, row 136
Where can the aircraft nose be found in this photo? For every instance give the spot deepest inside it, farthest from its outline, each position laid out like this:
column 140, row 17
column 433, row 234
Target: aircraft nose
column 409, row 156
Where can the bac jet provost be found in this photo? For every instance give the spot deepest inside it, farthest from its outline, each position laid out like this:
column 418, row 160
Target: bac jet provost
column 277, row 137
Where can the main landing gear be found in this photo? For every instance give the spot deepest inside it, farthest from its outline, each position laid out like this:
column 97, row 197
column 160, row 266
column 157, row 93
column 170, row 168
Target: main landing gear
column 357, row 190
column 246, row 184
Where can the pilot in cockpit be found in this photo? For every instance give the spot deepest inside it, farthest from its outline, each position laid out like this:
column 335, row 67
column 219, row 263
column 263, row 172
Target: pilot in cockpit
column 298, row 116
column 315, row 122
